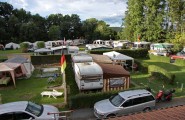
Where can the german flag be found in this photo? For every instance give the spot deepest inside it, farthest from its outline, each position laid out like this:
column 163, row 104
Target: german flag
column 63, row 63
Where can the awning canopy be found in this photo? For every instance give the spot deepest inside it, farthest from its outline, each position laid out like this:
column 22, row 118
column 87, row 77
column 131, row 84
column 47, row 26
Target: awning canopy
column 117, row 56
column 111, row 71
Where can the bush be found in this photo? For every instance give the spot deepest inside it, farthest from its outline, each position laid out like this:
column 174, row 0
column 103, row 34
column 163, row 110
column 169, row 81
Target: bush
column 161, row 74
column 177, row 48
column 24, row 47
column 40, row 44
column 136, row 53
column 87, row 100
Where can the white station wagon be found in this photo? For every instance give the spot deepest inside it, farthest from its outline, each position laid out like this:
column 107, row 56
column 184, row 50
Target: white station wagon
column 27, row 110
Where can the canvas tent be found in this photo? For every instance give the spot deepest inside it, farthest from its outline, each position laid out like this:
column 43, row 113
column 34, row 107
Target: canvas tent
column 5, row 68
column 118, row 57
column 12, row 45
column 19, row 65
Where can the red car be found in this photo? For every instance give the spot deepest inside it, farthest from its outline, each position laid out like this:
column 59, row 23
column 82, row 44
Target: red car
column 180, row 55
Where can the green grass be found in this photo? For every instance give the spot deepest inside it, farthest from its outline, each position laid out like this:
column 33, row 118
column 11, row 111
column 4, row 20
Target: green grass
column 29, row 89
column 10, row 51
column 155, row 84
column 3, row 53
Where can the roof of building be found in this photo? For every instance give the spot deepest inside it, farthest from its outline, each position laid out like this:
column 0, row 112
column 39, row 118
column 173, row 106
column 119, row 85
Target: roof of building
column 172, row 113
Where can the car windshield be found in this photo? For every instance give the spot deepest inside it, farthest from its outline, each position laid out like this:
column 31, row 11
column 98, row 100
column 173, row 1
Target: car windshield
column 34, row 109
column 116, row 100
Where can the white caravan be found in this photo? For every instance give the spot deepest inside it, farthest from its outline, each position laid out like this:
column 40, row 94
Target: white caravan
column 88, row 75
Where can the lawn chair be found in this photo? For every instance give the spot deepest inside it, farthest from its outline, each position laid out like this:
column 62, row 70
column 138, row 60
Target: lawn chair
column 53, row 93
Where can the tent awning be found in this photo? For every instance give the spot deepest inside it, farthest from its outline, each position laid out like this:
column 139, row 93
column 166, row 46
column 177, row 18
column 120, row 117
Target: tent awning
column 111, row 71
column 117, row 56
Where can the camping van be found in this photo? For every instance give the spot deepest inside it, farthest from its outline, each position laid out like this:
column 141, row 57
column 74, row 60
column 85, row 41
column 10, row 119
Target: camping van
column 88, row 76
column 161, row 46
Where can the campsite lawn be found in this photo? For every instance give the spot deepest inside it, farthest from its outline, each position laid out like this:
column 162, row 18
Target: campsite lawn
column 3, row 53
column 29, row 89
column 156, row 85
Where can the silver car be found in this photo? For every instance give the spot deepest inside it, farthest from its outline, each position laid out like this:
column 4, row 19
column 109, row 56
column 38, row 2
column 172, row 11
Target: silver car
column 124, row 103
column 27, row 110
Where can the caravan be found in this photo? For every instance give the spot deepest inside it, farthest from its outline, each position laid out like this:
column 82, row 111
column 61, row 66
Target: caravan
column 88, row 75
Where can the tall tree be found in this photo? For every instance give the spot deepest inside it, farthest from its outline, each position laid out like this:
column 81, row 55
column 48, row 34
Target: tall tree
column 54, row 32
column 154, row 19
column 88, row 28
column 134, row 20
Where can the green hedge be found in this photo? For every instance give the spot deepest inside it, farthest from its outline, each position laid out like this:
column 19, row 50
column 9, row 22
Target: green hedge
column 142, row 67
column 160, row 58
column 161, row 74
column 180, row 62
column 48, row 59
column 87, row 100
column 137, row 53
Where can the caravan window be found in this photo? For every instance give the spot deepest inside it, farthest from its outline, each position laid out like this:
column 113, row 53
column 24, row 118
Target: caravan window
column 117, row 82
column 91, row 80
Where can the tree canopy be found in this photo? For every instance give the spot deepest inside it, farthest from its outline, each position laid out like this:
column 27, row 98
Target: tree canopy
column 18, row 25
column 153, row 20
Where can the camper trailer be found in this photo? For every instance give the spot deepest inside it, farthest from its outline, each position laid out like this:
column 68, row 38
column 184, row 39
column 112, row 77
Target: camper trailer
column 88, row 76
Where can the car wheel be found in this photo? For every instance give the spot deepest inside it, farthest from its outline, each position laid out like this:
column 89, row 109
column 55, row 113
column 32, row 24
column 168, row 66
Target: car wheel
column 147, row 109
column 111, row 115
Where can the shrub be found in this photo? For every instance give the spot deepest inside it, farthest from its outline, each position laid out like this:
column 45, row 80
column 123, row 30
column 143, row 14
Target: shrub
column 40, row 44
column 87, row 100
column 136, row 53
column 161, row 74
column 24, row 47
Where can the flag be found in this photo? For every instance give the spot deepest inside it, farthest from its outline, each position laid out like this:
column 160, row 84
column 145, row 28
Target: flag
column 63, row 63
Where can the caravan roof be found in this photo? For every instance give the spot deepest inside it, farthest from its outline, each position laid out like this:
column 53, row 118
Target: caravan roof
column 89, row 68
column 79, row 58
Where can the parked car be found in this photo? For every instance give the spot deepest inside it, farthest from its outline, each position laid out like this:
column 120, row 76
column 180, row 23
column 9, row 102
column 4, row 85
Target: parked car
column 179, row 55
column 27, row 110
column 124, row 102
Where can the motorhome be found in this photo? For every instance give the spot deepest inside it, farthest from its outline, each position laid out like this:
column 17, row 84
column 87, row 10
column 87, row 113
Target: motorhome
column 161, row 46
column 142, row 44
column 88, row 76
column 50, row 44
column 120, row 43
column 97, row 47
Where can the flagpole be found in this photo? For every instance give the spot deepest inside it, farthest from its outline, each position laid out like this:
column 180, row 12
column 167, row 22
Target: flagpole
column 65, row 87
